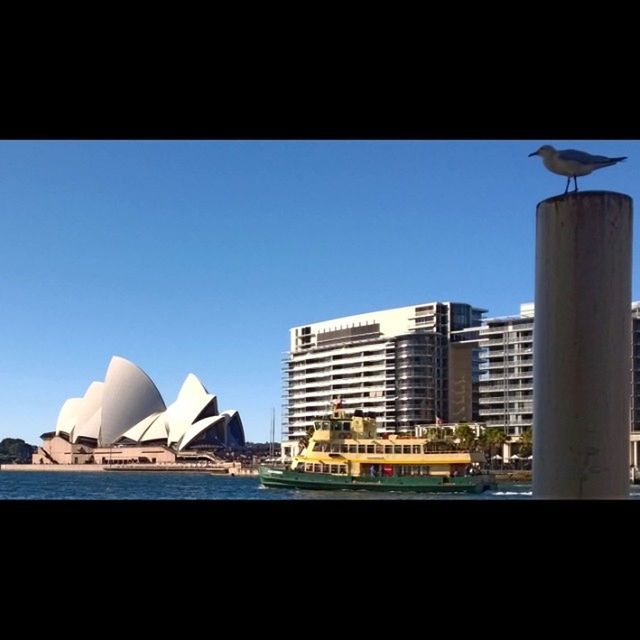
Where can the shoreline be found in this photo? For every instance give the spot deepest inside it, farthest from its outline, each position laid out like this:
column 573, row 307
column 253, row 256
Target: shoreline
column 513, row 477
column 505, row 477
column 98, row 468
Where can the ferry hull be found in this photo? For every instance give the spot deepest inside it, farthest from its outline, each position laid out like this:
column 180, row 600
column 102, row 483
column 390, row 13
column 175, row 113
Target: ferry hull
column 282, row 478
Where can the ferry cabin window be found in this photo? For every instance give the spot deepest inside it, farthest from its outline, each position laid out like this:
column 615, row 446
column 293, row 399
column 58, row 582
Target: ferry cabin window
column 362, row 448
column 370, row 448
column 388, row 449
column 417, row 448
column 412, row 470
column 397, row 448
column 379, row 448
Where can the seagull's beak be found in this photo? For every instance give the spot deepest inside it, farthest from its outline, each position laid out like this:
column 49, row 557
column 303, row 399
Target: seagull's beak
column 535, row 153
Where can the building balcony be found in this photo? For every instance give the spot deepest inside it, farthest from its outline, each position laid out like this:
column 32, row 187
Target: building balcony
column 514, row 423
column 356, row 359
column 528, row 375
column 347, row 371
column 505, row 364
column 511, row 340
column 508, row 353
column 512, row 403
column 500, row 382
column 492, row 412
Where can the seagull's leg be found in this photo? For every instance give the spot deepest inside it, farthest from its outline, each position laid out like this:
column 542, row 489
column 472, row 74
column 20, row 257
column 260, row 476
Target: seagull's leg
column 568, row 183
column 575, row 181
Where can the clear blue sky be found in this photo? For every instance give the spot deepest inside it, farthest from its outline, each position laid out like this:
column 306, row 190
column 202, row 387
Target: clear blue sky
column 198, row 256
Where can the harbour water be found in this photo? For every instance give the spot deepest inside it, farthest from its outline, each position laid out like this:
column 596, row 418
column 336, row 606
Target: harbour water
column 185, row 486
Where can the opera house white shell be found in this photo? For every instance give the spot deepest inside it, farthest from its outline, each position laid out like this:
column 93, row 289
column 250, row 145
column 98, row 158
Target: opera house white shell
column 127, row 408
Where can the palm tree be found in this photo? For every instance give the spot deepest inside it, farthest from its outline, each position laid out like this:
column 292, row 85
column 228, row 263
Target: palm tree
column 466, row 435
column 439, row 439
column 526, row 443
column 493, row 437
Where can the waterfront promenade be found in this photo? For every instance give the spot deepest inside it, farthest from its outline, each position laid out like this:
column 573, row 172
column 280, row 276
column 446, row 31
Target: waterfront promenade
column 227, row 468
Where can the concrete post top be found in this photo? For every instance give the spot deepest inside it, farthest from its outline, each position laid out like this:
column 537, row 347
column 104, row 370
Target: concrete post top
column 581, row 197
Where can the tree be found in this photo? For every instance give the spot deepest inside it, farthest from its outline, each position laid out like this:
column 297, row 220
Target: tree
column 492, row 438
column 439, row 439
column 15, row 450
column 466, row 435
column 526, row 443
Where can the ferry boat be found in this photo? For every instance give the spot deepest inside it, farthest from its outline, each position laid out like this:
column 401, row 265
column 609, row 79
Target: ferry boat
column 345, row 452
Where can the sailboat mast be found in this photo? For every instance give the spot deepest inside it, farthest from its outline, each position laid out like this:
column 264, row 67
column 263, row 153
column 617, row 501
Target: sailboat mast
column 272, row 445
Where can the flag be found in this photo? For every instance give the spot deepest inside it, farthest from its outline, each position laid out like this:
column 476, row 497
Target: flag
column 439, row 421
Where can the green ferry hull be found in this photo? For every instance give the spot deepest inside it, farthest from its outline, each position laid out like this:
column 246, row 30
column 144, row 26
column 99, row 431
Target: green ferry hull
column 282, row 478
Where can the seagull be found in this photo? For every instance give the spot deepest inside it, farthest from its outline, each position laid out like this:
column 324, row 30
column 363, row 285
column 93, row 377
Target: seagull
column 572, row 163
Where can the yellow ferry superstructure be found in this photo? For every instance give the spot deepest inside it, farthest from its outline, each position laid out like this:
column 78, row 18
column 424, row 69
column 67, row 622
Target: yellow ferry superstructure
column 354, row 445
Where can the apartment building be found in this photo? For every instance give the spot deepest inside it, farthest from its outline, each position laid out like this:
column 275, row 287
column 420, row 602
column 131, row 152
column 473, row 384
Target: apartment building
column 506, row 375
column 506, row 372
column 393, row 364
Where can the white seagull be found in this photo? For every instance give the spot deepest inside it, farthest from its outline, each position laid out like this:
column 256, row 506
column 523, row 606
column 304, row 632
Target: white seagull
column 572, row 163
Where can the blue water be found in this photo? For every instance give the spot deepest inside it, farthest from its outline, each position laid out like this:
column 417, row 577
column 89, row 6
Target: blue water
column 181, row 486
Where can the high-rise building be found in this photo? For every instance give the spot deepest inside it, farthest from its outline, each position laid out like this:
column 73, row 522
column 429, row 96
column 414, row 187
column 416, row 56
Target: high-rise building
column 392, row 363
column 506, row 378
column 506, row 372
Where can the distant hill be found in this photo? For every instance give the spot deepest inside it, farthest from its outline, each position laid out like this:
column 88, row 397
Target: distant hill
column 15, row 450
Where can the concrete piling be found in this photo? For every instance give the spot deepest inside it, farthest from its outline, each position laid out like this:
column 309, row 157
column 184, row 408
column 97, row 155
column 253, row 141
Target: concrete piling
column 582, row 346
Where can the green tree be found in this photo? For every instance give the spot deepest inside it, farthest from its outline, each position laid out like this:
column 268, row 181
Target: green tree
column 526, row 443
column 466, row 435
column 492, row 439
column 15, row 450
column 440, row 439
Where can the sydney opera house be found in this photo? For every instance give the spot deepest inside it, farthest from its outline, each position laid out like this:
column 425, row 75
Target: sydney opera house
column 125, row 420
